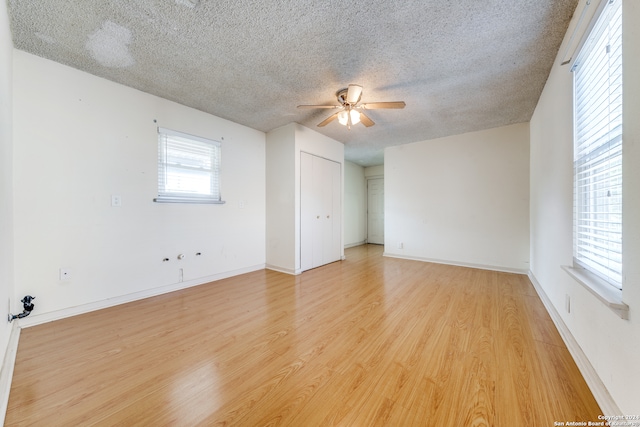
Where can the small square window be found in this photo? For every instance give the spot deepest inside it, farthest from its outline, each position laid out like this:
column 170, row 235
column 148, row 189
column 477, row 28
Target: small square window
column 188, row 168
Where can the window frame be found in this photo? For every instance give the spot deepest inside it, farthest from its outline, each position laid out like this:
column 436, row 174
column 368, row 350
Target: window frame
column 602, row 287
column 205, row 157
column 597, row 222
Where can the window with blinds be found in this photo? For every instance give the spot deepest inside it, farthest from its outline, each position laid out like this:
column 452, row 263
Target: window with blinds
column 597, row 233
column 188, row 168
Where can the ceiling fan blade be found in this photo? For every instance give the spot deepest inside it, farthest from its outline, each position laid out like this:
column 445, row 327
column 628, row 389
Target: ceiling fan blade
column 328, row 119
column 353, row 93
column 379, row 105
column 319, row 106
column 365, row 120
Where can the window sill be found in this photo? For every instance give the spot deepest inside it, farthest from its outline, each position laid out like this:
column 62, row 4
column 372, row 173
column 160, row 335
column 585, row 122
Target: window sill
column 611, row 297
column 188, row 201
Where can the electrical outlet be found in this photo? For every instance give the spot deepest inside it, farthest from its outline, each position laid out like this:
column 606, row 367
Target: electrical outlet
column 400, row 245
column 65, row 274
column 116, row 201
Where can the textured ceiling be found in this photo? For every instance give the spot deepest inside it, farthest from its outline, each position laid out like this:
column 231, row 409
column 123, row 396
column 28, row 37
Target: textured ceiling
column 460, row 66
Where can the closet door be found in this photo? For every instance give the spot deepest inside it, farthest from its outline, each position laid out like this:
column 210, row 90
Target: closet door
column 333, row 207
column 320, row 211
column 307, row 211
column 319, row 197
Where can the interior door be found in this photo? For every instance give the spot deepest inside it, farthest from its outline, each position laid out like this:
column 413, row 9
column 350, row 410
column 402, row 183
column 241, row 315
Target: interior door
column 375, row 211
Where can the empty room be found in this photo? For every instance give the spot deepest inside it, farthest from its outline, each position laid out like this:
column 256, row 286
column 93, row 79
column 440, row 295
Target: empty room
column 320, row 213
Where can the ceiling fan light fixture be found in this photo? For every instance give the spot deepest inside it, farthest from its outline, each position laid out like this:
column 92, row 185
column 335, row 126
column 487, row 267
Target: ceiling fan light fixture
column 355, row 117
column 343, row 117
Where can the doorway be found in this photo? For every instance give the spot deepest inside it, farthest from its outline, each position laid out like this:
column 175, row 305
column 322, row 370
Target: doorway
column 375, row 211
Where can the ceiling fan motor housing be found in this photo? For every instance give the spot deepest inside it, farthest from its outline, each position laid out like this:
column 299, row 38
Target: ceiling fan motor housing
column 343, row 98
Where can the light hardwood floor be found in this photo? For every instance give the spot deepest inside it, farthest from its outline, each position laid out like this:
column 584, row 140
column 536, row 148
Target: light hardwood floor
column 362, row 342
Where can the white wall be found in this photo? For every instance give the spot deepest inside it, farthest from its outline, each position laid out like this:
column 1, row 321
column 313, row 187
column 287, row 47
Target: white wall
column 6, row 180
column 462, row 199
column 374, row 171
column 79, row 139
column 281, row 200
column 355, row 205
column 612, row 345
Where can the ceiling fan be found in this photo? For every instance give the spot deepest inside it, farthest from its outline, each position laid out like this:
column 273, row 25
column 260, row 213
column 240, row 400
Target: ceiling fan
column 352, row 113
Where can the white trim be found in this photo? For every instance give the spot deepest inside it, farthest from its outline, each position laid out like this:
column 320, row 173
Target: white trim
column 197, row 200
column 459, row 264
column 597, row 387
column 6, row 373
column 352, row 245
column 294, row 272
column 34, row 320
column 580, row 31
column 189, row 136
column 602, row 290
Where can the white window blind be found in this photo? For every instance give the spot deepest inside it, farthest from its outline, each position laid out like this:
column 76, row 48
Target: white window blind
column 598, row 148
column 188, row 168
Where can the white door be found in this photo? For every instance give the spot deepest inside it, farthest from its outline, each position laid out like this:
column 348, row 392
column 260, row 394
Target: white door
column 334, row 212
column 307, row 211
column 322, row 197
column 375, row 211
column 320, row 211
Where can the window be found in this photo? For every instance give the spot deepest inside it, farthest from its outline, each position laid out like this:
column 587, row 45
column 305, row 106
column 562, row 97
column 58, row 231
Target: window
column 597, row 234
column 188, row 168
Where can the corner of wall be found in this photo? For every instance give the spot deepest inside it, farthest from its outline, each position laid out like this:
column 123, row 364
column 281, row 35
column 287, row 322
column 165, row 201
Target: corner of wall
column 9, row 333
column 6, row 373
column 597, row 387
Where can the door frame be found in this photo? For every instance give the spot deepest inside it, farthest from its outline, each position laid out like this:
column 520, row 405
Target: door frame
column 369, row 178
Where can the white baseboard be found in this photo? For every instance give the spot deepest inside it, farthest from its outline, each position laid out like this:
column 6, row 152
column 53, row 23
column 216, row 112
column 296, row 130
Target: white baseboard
column 6, row 373
column 38, row 319
column 456, row 263
column 597, row 387
column 282, row 269
column 351, row 245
